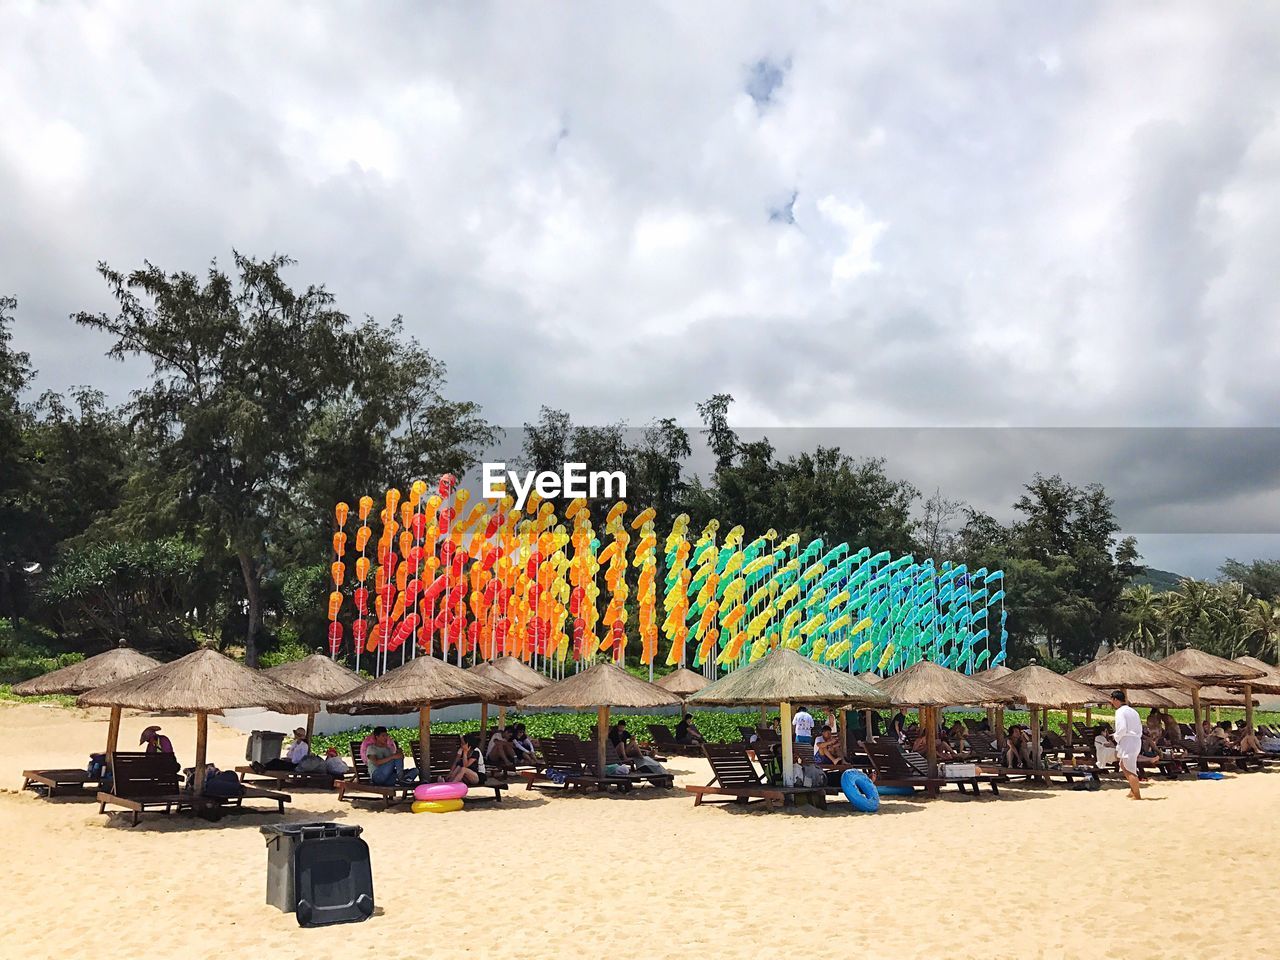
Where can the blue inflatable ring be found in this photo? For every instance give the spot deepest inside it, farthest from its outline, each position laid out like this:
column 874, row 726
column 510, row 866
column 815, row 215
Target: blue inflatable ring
column 860, row 791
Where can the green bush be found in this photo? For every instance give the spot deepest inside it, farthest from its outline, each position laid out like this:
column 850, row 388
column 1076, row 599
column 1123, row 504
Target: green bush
column 29, row 652
column 285, row 651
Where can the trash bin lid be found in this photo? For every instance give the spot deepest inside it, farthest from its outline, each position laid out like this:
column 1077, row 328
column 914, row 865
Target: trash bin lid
column 310, row 831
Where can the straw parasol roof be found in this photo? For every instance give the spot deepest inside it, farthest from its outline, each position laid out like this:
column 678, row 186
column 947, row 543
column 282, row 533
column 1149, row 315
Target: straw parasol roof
column 1166, row 698
column 683, row 682
column 992, row 674
column 1207, row 668
column 786, row 676
column 201, row 682
column 422, row 682
column 1268, row 684
column 511, row 672
column 1041, row 687
column 870, row 677
column 317, row 676
column 1126, row 670
column 1216, row 696
column 1257, row 665
column 118, row 664
column 603, row 685
column 927, row 684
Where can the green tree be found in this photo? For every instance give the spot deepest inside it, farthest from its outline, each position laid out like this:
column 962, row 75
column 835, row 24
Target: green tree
column 1260, row 578
column 19, row 497
column 1264, row 618
column 264, row 401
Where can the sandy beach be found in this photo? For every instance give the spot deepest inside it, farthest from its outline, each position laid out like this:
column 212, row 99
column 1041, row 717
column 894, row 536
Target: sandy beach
column 1030, row 874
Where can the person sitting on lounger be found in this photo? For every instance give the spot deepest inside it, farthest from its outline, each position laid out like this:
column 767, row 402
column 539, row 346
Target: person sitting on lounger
column 501, row 753
column 959, row 742
column 468, row 764
column 334, row 764
column 1104, row 748
column 826, row 748
column 1148, row 752
column 385, row 760
column 156, row 741
column 628, row 753
column 898, row 726
column 1017, row 747
column 1172, row 731
column 522, row 745
column 298, row 751
column 686, row 732
column 1250, row 743
column 942, row 749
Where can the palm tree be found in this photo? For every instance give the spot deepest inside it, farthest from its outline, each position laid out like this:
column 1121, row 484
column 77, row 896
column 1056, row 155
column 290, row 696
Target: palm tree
column 1230, row 616
column 1142, row 611
column 1264, row 620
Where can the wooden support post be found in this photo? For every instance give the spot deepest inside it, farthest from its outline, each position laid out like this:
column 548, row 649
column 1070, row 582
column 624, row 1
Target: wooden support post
column 113, row 730
column 844, row 733
column 1248, row 708
column 484, row 722
column 202, row 746
column 311, row 726
column 502, row 717
column 788, row 754
column 1071, row 753
column 1035, row 736
column 424, row 742
column 1195, row 712
column 1000, row 737
column 929, row 717
column 602, row 738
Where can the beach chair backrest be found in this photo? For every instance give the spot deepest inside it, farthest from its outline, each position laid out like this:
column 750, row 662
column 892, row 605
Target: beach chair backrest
column 747, row 733
column 731, row 765
column 662, row 735
column 357, row 762
column 890, row 759
column 562, row 755
column 144, row 774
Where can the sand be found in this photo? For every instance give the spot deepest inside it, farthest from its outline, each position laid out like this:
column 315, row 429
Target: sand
column 1035, row 873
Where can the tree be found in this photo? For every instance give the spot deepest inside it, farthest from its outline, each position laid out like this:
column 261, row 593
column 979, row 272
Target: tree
column 18, row 480
column 721, row 438
column 1264, row 618
column 1144, row 618
column 934, row 532
column 1260, row 578
column 263, row 399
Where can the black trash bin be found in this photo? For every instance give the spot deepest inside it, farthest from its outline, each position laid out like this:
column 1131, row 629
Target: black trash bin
column 320, row 871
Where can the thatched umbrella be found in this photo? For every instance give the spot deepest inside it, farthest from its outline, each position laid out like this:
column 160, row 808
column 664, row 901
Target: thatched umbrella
column 202, row 683
column 422, row 683
column 929, row 687
column 785, row 677
column 1124, row 670
column 1206, row 668
column 120, row 663
column 1164, row 698
column 1268, row 685
column 510, row 672
column 600, row 687
column 683, row 682
column 1037, row 686
column 990, row 675
column 317, row 676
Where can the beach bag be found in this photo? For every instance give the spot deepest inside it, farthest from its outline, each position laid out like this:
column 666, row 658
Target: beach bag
column 808, row 776
column 336, row 766
column 224, row 783
column 311, row 764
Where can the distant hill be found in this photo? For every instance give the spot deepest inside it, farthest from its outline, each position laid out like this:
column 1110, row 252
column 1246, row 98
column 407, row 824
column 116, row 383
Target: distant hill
column 1161, row 581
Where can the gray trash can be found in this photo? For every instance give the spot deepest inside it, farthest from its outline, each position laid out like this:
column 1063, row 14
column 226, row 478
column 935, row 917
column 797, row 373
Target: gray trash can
column 283, row 840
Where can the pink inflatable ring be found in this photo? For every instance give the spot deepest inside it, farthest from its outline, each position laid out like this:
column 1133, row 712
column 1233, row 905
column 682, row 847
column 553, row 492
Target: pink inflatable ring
column 440, row 791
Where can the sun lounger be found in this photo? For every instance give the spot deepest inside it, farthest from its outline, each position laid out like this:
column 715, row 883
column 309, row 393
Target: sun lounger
column 149, row 781
column 360, row 787
column 895, row 767
column 737, row 779
column 60, row 782
column 441, row 766
column 665, row 740
column 320, row 780
column 565, row 767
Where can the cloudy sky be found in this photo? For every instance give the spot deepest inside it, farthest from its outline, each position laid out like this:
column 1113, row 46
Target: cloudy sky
column 845, row 215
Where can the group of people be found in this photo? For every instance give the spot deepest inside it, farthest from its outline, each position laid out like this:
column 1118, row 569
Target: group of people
column 300, row 759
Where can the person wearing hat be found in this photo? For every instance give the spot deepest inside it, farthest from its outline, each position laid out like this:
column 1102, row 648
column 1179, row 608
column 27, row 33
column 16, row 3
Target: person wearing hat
column 298, row 751
column 1128, row 738
column 156, row 741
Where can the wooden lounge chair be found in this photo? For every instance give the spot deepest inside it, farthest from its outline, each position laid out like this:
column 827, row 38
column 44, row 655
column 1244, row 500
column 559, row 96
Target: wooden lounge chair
column 896, row 767
column 564, row 767
column 360, row 787
column 665, row 740
column 736, row 778
column 587, row 756
column 149, row 781
column 441, row 766
column 60, row 782
column 320, row 780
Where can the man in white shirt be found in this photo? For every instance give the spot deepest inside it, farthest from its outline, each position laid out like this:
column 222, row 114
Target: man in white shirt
column 1128, row 738
column 802, row 725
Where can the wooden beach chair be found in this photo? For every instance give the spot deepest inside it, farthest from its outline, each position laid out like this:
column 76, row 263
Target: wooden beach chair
column 320, row 780
column 564, row 768
column 56, row 783
column 149, row 781
column 441, row 766
column 360, row 787
column 665, row 741
column 736, row 778
column 587, row 756
column 896, row 767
